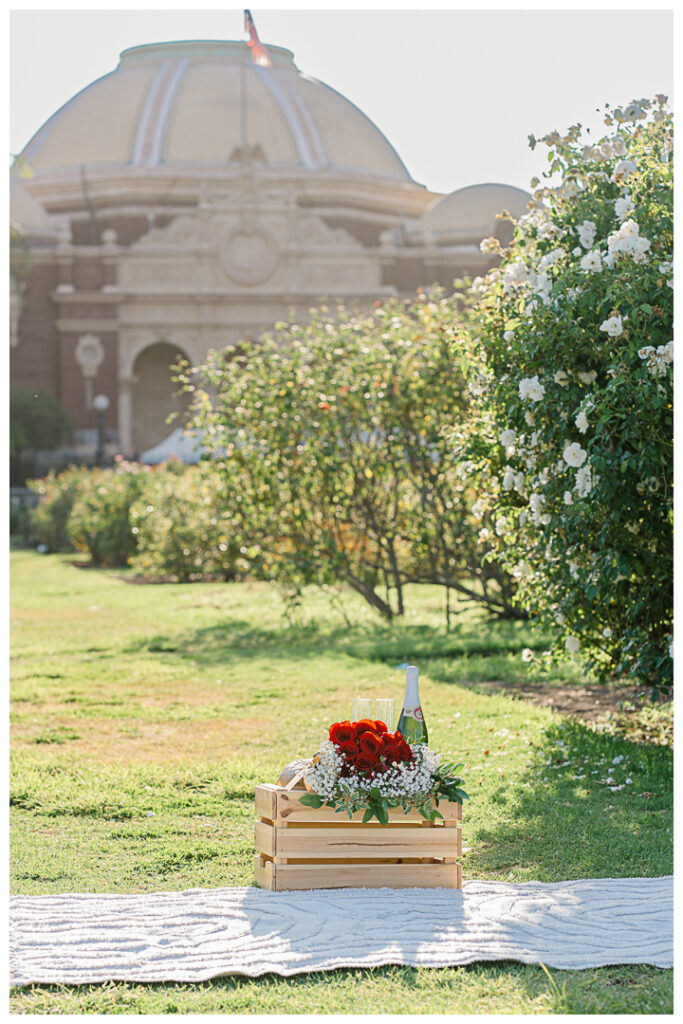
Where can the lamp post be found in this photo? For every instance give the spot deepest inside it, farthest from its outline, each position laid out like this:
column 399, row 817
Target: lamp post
column 100, row 405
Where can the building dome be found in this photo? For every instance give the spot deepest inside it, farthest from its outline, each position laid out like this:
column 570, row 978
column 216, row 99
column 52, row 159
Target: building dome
column 469, row 214
column 178, row 107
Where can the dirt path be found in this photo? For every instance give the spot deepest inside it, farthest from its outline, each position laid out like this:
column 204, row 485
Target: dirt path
column 591, row 703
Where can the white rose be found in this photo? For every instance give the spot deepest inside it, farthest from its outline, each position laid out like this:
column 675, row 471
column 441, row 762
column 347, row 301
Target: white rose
column 531, row 388
column 588, row 378
column 550, row 259
column 574, row 455
column 622, row 169
column 561, row 378
column 527, row 654
column 591, row 262
column 629, row 229
column 507, row 438
column 639, row 250
column 582, row 422
column 618, row 145
column 607, row 632
column 585, row 481
column 508, row 335
column 478, row 509
column 501, row 526
column 623, row 206
column 568, row 500
column 572, row 643
column 529, row 419
column 613, row 326
column 509, row 478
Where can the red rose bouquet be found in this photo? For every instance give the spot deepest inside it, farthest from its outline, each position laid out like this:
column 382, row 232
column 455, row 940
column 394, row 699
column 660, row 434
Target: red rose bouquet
column 364, row 766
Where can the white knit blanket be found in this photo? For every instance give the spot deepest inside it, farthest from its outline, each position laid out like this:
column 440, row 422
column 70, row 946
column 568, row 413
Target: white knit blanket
column 204, row 933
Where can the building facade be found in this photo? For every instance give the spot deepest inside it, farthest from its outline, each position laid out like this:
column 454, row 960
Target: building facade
column 191, row 198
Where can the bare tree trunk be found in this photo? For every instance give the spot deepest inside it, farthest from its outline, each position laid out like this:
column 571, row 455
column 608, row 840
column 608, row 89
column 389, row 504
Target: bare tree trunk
column 370, row 595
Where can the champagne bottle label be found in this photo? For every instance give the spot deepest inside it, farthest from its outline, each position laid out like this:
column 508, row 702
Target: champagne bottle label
column 413, row 713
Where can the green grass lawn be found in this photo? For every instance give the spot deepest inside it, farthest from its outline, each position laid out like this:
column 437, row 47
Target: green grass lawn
column 143, row 716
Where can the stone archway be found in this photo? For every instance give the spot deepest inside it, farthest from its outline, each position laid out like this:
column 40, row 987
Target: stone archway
column 155, row 395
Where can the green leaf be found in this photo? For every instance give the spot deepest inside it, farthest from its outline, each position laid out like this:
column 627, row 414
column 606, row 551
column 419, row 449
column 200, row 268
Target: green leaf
column 311, row 800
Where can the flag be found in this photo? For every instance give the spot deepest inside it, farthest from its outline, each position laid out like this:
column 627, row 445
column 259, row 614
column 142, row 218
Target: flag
column 259, row 54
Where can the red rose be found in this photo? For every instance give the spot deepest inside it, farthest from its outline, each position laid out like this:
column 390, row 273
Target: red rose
column 370, row 743
column 348, row 749
column 365, row 725
column 366, row 763
column 391, row 752
column 342, row 732
column 380, row 727
column 404, row 751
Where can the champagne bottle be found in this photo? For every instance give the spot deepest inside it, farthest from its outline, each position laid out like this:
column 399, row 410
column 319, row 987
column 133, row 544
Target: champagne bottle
column 411, row 724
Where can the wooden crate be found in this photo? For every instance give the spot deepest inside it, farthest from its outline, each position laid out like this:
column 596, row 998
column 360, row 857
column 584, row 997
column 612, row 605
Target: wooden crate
column 300, row 847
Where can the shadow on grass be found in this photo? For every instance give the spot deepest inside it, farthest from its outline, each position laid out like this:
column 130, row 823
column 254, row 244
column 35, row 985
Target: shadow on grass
column 369, row 642
column 521, row 987
column 570, row 823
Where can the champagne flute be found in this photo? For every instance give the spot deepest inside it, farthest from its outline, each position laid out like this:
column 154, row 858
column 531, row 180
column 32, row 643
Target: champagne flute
column 385, row 711
column 361, row 707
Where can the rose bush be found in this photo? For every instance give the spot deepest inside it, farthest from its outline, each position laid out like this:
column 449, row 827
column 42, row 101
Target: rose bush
column 99, row 521
column 574, row 445
column 57, row 493
column 185, row 525
column 337, row 436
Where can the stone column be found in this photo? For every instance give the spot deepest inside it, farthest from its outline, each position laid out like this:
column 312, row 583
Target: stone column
column 126, row 416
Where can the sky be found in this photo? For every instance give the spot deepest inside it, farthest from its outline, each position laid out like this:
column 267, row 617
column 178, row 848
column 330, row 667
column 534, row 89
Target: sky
column 457, row 92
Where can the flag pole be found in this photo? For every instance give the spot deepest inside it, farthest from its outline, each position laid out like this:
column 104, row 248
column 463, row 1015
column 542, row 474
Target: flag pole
column 243, row 99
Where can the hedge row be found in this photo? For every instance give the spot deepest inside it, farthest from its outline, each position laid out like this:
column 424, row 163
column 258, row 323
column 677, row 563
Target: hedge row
column 165, row 520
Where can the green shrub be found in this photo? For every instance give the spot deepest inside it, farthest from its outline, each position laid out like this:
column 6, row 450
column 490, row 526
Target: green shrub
column 57, row 493
column 334, row 444
column 99, row 522
column 182, row 527
column 577, row 405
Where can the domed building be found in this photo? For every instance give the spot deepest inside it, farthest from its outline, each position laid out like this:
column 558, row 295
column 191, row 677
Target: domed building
column 191, row 198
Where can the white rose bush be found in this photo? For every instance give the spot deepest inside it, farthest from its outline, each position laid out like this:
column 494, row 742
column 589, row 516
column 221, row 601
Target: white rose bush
column 575, row 451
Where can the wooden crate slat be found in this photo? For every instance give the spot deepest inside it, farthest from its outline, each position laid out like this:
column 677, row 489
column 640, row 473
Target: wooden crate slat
column 355, row 842
column 263, row 872
column 265, row 798
column 290, row 809
column 264, row 838
column 368, row 876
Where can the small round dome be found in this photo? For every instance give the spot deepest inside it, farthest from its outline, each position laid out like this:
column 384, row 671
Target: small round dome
column 188, row 106
column 469, row 214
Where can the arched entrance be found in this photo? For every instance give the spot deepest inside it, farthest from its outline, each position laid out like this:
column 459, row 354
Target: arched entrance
column 155, row 396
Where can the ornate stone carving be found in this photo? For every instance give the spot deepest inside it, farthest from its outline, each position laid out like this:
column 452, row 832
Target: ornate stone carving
column 248, row 254
column 311, row 230
column 89, row 355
